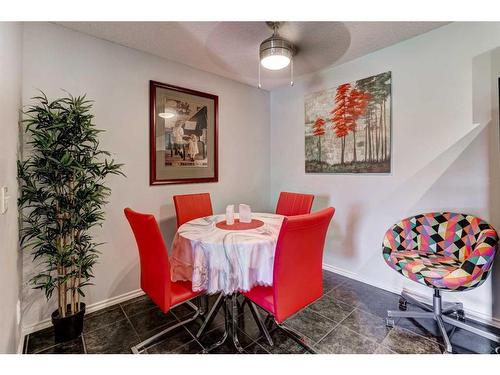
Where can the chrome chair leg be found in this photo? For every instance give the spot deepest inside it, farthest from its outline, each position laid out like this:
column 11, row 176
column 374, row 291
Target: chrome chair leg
column 391, row 314
column 260, row 324
column 297, row 337
column 444, row 334
column 410, row 314
column 139, row 348
column 211, row 315
column 466, row 327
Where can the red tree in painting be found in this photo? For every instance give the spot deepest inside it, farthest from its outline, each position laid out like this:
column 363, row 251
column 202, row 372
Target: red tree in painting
column 350, row 104
column 319, row 131
column 341, row 118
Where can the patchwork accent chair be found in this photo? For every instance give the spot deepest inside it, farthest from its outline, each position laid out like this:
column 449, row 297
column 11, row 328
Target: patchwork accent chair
column 446, row 252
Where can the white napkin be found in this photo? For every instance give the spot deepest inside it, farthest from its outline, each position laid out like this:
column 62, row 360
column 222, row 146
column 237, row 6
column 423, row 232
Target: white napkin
column 245, row 213
column 230, row 214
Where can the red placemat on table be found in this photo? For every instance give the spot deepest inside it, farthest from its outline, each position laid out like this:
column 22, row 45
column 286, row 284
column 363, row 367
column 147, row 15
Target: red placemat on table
column 239, row 226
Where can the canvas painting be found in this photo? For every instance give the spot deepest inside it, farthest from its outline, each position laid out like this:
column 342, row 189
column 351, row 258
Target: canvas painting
column 348, row 128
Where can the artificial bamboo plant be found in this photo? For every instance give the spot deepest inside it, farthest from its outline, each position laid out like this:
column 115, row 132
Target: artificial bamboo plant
column 62, row 195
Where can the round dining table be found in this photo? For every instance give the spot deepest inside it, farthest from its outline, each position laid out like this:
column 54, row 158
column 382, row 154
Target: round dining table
column 226, row 259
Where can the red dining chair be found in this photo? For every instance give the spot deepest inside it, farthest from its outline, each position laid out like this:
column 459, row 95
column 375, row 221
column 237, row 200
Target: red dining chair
column 189, row 207
column 297, row 274
column 155, row 273
column 192, row 206
column 292, row 204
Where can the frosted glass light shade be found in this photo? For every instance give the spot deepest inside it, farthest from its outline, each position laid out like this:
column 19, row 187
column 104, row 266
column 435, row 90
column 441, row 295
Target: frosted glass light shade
column 275, row 62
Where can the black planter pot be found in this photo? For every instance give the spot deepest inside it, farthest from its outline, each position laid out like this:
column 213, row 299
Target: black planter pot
column 69, row 327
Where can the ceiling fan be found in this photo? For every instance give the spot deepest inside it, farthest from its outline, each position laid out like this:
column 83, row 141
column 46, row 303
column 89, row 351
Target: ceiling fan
column 276, row 52
column 304, row 47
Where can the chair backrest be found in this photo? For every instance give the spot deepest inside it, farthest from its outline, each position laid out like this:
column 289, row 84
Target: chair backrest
column 192, row 206
column 445, row 233
column 297, row 274
column 292, row 204
column 153, row 254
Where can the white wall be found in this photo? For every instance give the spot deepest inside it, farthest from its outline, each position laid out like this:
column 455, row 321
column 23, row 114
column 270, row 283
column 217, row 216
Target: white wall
column 441, row 161
column 117, row 78
column 10, row 102
column 486, row 72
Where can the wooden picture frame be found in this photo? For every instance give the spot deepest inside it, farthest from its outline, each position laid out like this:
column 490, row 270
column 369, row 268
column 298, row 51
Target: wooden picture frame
column 182, row 134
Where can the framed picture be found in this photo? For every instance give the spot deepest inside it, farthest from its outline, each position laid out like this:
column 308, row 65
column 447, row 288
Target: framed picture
column 183, row 135
column 348, row 128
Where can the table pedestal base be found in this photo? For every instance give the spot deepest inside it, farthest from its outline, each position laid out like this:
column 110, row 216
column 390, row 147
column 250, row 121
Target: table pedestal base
column 231, row 313
column 230, row 305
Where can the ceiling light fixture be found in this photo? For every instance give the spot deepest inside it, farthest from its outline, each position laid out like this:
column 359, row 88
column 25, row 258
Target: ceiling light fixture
column 276, row 53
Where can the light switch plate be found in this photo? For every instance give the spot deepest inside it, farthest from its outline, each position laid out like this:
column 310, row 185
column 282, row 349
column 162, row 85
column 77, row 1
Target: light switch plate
column 18, row 312
column 3, row 200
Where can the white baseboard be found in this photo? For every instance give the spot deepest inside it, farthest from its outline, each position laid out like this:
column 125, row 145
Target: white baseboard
column 474, row 315
column 89, row 309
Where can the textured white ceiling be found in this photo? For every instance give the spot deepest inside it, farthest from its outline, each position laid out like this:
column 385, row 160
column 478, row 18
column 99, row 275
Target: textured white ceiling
column 230, row 49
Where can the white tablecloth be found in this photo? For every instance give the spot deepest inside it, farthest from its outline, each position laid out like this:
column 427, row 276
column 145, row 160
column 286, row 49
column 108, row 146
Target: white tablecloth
column 218, row 260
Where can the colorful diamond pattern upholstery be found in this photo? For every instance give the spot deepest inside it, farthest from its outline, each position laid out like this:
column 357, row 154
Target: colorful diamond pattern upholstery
column 442, row 250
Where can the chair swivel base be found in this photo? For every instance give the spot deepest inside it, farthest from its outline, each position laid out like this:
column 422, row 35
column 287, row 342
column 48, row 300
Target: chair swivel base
column 441, row 314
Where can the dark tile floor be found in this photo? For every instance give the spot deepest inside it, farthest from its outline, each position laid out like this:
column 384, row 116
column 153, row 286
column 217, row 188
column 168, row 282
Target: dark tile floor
column 349, row 318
